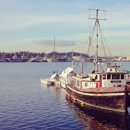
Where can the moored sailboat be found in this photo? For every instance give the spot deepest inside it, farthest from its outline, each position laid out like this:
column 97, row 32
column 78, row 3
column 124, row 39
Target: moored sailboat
column 54, row 78
column 105, row 89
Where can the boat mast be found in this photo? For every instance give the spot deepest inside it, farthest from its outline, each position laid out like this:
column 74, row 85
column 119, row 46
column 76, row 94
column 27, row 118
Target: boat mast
column 96, row 25
column 96, row 57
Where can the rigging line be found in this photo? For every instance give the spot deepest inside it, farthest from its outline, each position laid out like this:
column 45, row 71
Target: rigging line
column 90, row 38
column 90, row 34
column 90, row 41
column 90, row 22
column 102, row 40
column 107, row 45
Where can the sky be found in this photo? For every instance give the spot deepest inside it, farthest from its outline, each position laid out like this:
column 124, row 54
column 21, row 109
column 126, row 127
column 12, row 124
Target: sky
column 32, row 25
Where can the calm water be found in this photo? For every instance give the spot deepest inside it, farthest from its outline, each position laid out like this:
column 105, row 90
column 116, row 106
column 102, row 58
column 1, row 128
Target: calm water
column 25, row 104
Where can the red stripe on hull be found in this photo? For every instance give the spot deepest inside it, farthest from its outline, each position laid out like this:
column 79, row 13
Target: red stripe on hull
column 96, row 85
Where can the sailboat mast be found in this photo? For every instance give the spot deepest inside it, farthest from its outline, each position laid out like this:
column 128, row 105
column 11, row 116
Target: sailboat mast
column 53, row 60
column 54, row 48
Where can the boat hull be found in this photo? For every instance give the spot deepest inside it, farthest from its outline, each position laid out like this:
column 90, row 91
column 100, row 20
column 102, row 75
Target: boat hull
column 49, row 82
column 117, row 101
column 46, row 82
column 62, row 83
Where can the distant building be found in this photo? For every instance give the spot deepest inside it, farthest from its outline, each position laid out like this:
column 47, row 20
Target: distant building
column 62, row 60
column 76, row 58
column 24, row 58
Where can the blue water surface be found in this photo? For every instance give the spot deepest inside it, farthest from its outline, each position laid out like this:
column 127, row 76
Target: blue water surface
column 26, row 104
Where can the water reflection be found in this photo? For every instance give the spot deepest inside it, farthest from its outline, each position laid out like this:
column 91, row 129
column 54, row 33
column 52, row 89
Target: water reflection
column 128, row 109
column 91, row 119
column 97, row 120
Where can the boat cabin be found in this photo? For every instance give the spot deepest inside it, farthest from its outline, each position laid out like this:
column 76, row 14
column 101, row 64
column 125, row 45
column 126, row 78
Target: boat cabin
column 100, row 80
column 113, row 77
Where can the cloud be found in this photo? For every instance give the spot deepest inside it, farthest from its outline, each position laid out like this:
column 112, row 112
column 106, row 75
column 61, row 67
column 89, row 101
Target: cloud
column 23, row 21
column 50, row 42
column 36, row 23
column 64, row 19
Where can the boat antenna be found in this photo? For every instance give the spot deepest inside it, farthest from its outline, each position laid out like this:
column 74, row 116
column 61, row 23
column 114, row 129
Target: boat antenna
column 97, row 26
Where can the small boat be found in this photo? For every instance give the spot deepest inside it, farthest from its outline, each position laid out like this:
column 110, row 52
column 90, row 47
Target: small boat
column 66, row 76
column 53, row 80
column 46, row 82
column 104, row 88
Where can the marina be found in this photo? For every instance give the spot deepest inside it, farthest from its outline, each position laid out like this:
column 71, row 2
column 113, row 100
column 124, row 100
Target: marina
column 65, row 65
column 28, row 104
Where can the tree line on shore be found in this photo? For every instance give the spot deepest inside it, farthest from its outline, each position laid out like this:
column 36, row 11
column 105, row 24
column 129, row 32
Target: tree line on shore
column 10, row 55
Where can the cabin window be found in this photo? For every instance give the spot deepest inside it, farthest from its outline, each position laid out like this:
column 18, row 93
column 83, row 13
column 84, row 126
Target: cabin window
column 122, row 76
column 115, row 76
column 108, row 76
column 74, row 82
column 77, row 82
column 86, row 84
column 104, row 76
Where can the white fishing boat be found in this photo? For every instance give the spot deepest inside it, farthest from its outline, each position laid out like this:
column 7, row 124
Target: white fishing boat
column 128, row 77
column 105, row 88
column 66, row 76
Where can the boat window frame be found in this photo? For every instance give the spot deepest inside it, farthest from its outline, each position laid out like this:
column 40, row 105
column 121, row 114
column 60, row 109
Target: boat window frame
column 78, row 83
column 116, row 76
column 109, row 76
column 96, row 77
column 74, row 82
column 85, row 84
column 104, row 76
column 123, row 76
